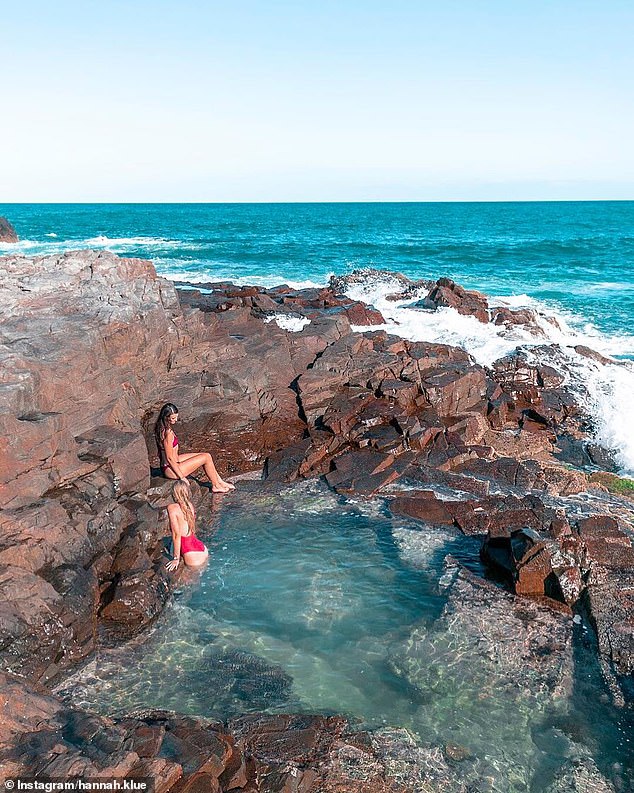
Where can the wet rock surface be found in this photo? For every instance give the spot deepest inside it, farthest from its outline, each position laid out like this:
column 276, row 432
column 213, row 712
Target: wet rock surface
column 253, row 753
column 91, row 346
column 448, row 294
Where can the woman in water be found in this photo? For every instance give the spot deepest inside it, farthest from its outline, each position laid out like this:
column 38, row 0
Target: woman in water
column 183, row 525
column 180, row 466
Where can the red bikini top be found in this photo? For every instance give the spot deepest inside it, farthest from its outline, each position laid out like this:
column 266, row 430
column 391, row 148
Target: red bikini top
column 162, row 454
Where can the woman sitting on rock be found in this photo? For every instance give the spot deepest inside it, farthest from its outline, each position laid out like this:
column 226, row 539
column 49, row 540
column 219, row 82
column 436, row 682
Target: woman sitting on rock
column 183, row 525
column 180, row 466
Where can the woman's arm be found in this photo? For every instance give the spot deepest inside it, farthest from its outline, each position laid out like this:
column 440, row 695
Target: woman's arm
column 171, row 454
column 176, row 542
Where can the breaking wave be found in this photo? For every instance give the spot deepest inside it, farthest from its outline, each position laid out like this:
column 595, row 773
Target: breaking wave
column 604, row 388
column 53, row 244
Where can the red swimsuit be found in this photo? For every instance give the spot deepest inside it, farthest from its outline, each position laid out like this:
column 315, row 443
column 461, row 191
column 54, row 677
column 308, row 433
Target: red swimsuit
column 189, row 542
column 166, row 465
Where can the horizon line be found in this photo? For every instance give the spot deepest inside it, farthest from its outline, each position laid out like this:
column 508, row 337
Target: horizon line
column 333, row 201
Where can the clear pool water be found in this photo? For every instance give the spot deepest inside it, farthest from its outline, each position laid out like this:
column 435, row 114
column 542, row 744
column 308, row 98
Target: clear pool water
column 312, row 602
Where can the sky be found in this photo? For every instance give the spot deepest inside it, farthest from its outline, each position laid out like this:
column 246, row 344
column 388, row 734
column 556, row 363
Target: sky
column 336, row 100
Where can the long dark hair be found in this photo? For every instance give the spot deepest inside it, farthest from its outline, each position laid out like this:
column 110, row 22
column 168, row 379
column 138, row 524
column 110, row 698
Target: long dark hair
column 162, row 425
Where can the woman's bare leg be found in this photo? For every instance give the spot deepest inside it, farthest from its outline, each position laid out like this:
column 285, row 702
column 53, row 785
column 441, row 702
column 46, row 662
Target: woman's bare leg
column 191, row 461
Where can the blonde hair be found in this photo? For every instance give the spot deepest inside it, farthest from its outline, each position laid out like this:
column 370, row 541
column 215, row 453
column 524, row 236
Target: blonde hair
column 182, row 495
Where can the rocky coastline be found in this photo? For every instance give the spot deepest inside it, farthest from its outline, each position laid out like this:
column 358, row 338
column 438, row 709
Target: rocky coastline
column 92, row 344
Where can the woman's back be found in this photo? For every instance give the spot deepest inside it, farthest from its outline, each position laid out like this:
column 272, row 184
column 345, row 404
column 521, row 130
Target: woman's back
column 178, row 520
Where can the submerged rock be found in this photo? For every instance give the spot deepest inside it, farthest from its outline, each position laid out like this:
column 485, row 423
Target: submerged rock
column 498, row 663
column 609, row 566
column 240, row 680
column 580, row 775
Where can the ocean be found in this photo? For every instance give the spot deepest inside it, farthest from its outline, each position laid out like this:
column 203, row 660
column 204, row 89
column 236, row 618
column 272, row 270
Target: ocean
column 571, row 261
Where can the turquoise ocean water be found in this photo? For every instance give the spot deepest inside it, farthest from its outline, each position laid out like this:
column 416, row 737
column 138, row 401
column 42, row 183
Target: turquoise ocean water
column 578, row 256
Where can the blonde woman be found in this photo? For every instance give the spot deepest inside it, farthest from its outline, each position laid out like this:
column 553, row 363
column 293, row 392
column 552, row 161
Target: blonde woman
column 183, row 525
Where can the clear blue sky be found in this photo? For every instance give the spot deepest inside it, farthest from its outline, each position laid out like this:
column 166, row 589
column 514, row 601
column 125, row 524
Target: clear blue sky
column 329, row 100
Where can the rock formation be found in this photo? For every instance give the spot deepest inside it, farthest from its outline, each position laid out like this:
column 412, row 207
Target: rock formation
column 42, row 737
column 93, row 344
column 446, row 293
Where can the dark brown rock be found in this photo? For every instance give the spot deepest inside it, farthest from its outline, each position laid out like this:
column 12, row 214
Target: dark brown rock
column 498, row 516
column 146, row 739
column 527, row 475
column 606, row 544
column 588, row 352
column 136, row 601
column 608, row 565
column 456, row 389
column 365, row 472
column 531, row 394
column 611, row 606
column 537, row 564
column 446, row 293
column 7, row 232
column 284, row 465
column 199, row 782
column 425, row 475
column 501, row 315
column 423, row 506
column 281, row 300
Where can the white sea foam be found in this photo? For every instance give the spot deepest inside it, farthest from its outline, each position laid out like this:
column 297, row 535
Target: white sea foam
column 221, row 271
column 22, row 245
column 54, row 245
column 610, row 286
column 269, row 281
column 210, row 272
column 289, row 322
column 605, row 389
column 102, row 241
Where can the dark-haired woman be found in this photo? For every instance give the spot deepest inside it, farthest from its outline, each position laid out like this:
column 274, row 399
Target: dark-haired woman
column 183, row 525
column 180, row 466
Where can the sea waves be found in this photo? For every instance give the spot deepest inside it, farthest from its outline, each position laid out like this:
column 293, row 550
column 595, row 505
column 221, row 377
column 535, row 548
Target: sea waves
column 604, row 388
column 53, row 244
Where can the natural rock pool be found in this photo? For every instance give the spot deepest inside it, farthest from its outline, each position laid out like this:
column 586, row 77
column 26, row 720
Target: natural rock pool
column 316, row 603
